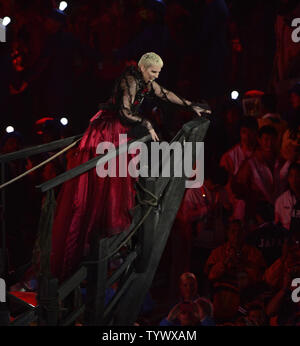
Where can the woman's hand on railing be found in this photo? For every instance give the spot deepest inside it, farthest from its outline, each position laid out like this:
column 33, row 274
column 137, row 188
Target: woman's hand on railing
column 154, row 135
column 199, row 110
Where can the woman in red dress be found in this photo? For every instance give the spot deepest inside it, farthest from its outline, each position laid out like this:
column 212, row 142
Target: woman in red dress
column 88, row 203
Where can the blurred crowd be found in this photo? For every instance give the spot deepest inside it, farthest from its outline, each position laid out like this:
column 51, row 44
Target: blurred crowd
column 234, row 247
column 64, row 66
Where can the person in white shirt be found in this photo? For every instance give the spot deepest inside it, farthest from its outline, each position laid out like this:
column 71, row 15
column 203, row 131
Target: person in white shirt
column 287, row 206
column 233, row 159
column 263, row 177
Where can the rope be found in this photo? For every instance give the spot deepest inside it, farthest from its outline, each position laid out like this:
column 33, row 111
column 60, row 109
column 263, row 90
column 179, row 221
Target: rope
column 40, row 164
column 151, row 203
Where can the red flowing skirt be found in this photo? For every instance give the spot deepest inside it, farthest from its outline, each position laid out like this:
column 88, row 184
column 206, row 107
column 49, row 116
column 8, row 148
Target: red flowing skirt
column 88, row 203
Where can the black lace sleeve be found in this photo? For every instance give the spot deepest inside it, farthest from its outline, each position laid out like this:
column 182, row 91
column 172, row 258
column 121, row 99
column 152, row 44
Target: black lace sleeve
column 129, row 87
column 170, row 97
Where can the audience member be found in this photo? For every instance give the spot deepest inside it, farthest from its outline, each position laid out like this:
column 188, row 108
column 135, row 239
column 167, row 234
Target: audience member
column 188, row 287
column 281, row 308
column 270, row 117
column 234, row 158
column 289, row 262
column 266, row 235
column 183, row 314
column 290, row 148
column 226, row 302
column 263, row 176
column 287, row 206
column 211, row 209
column 227, row 261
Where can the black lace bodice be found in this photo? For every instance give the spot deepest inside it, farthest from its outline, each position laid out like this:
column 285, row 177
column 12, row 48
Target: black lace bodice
column 130, row 90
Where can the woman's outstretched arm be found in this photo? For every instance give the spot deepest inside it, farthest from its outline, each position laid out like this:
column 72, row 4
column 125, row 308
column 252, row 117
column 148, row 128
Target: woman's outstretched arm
column 169, row 96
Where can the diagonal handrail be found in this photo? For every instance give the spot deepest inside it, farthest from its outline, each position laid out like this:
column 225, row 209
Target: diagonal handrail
column 38, row 149
column 78, row 170
column 41, row 164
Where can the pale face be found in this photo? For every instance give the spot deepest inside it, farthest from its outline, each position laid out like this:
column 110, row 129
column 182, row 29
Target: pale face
column 248, row 136
column 267, row 143
column 235, row 235
column 188, row 288
column 150, row 73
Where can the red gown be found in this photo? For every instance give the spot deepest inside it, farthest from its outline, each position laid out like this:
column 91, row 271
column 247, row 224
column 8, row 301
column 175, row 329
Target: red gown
column 88, row 203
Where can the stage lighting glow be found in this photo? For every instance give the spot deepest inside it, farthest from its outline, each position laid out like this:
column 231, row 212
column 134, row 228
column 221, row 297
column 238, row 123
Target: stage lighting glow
column 64, row 121
column 234, row 95
column 63, row 5
column 6, row 21
column 10, row 129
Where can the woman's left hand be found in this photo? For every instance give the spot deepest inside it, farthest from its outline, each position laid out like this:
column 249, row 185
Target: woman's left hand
column 200, row 110
column 153, row 135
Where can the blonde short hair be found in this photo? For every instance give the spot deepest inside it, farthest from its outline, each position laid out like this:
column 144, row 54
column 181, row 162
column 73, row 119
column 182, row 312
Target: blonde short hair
column 150, row 59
